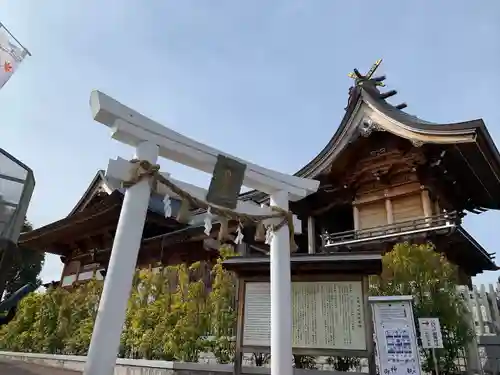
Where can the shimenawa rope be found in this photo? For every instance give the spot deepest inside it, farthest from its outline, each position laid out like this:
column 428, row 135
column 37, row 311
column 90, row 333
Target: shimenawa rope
column 144, row 169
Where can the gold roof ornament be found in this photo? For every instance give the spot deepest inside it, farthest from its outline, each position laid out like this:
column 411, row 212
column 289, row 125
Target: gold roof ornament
column 360, row 78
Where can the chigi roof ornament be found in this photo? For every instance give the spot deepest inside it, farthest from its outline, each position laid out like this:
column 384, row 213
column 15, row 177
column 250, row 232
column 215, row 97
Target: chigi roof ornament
column 368, row 79
column 359, row 78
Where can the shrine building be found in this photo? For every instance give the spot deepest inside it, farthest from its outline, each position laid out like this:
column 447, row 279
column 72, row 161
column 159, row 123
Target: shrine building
column 385, row 177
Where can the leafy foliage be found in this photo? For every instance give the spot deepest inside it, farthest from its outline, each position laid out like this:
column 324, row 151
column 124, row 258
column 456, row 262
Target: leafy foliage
column 173, row 314
column 304, row 361
column 181, row 311
column 260, row 359
column 420, row 271
column 223, row 310
column 343, row 363
column 25, row 268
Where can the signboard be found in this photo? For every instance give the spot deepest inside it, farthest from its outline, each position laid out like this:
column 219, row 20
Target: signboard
column 430, row 333
column 227, row 179
column 326, row 315
column 395, row 336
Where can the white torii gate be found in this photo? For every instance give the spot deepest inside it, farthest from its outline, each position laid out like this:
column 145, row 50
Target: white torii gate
column 151, row 140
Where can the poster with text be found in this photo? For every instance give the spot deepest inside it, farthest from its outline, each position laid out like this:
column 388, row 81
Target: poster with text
column 395, row 338
column 325, row 315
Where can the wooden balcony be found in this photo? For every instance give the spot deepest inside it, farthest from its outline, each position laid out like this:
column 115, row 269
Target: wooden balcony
column 438, row 224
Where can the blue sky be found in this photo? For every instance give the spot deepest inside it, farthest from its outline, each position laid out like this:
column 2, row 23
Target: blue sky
column 266, row 80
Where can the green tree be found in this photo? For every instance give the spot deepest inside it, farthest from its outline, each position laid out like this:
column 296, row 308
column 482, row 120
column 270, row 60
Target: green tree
column 18, row 334
column 167, row 316
column 420, row 271
column 223, row 313
column 49, row 322
column 26, row 266
column 75, row 325
column 189, row 316
column 170, row 315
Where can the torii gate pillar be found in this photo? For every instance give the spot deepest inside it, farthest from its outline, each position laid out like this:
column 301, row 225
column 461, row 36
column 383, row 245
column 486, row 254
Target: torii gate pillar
column 103, row 350
column 152, row 139
column 281, row 295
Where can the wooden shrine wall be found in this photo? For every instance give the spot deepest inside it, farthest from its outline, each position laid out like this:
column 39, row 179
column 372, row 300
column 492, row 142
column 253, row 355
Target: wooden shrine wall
column 391, row 206
column 152, row 256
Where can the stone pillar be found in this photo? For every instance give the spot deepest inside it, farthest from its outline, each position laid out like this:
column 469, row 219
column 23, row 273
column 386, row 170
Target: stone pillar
column 105, row 341
column 281, row 295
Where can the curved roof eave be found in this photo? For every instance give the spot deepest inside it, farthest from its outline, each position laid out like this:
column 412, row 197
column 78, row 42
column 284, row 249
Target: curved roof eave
column 410, row 127
column 306, row 171
column 464, row 136
column 488, row 261
column 394, row 121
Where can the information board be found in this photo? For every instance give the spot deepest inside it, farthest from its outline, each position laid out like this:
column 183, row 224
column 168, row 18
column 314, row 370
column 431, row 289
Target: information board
column 430, row 333
column 325, row 315
column 395, row 337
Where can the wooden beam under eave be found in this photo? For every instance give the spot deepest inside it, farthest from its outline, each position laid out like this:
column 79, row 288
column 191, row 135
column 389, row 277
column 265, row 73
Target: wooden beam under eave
column 100, row 256
column 99, row 241
column 56, row 249
column 154, row 218
column 52, row 244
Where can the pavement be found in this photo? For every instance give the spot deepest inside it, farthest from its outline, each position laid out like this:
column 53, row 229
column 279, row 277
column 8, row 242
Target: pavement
column 22, row 368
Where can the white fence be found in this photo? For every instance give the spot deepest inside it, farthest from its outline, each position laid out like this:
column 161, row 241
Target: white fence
column 483, row 304
column 484, row 317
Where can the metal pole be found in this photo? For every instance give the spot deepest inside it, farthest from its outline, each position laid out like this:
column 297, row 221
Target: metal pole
column 434, row 358
column 105, row 341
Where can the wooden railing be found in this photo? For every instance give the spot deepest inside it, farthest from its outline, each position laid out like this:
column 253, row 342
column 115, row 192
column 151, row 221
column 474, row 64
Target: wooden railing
column 442, row 221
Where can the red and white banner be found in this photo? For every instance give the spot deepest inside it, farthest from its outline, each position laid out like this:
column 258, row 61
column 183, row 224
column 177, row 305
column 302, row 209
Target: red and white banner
column 11, row 55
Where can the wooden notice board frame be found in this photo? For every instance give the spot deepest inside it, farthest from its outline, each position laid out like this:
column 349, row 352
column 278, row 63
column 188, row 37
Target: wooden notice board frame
column 307, row 268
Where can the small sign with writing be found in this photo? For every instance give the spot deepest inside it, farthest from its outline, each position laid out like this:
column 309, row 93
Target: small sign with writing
column 226, row 183
column 430, row 333
column 395, row 336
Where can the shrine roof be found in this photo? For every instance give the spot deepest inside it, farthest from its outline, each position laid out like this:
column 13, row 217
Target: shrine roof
column 44, row 238
column 108, row 185
column 99, row 207
column 468, row 142
column 470, row 253
column 100, row 213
